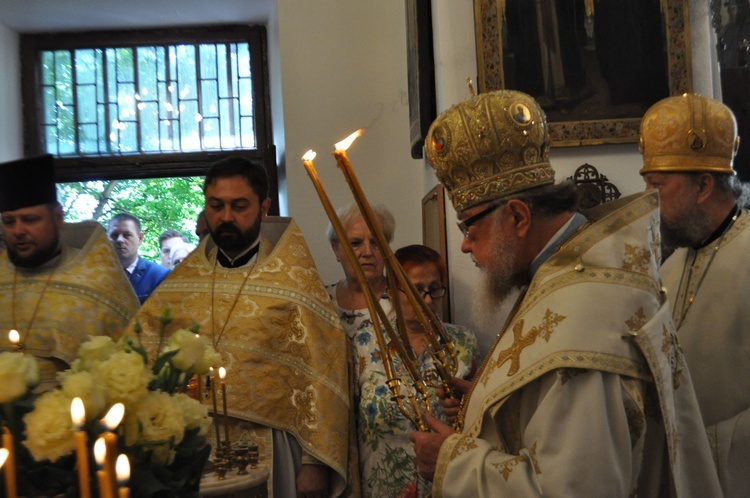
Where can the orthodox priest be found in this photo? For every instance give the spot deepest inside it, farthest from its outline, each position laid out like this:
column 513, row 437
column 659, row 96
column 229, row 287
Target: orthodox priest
column 254, row 289
column 59, row 282
column 688, row 144
column 585, row 391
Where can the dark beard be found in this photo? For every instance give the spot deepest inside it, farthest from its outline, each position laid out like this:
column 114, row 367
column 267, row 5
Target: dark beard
column 231, row 239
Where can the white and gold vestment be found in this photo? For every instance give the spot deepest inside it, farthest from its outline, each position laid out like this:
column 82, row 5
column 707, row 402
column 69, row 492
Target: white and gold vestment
column 707, row 288
column 585, row 392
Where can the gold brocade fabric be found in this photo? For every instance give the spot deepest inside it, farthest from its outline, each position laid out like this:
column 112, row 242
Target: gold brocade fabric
column 278, row 333
column 83, row 293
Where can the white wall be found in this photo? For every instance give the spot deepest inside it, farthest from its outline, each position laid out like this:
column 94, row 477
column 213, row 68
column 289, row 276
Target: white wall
column 11, row 142
column 343, row 67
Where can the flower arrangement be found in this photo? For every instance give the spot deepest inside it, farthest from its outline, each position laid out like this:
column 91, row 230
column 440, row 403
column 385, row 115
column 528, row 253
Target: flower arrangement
column 163, row 432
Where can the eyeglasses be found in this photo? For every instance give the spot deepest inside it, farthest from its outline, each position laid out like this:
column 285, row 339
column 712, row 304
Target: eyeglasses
column 468, row 222
column 435, row 293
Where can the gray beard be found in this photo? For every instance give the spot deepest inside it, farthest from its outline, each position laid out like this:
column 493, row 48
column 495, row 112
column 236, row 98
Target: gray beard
column 690, row 231
column 497, row 282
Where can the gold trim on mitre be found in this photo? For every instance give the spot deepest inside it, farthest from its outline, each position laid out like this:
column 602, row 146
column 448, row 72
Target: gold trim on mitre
column 688, row 133
column 490, row 146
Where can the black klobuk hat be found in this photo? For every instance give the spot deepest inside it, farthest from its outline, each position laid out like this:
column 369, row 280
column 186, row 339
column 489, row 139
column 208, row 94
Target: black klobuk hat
column 27, row 182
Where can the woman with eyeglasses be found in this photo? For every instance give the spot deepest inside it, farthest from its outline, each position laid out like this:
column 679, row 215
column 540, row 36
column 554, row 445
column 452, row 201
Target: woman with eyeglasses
column 386, row 456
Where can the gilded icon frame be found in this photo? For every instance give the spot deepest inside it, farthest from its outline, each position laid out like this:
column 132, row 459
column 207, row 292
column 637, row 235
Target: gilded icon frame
column 488, row 16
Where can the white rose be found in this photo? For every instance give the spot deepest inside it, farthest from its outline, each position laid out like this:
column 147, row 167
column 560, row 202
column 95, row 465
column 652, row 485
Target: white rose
column 157, row 418
column 191, row 347
column 92, row 352
column 49, row 428
column 209, row 359
column 125, row 377
column 18, row 373
column 86, row 386
column 194, row 413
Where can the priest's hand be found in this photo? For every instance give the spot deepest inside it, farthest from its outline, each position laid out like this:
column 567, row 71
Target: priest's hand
column 427, row 445
column 452, row 405
column 312, row 481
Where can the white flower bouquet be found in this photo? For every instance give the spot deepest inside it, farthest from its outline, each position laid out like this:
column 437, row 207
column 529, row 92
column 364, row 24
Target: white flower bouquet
column 163, row 431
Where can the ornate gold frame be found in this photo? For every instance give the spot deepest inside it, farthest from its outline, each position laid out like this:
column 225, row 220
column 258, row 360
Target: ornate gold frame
column 488, row 29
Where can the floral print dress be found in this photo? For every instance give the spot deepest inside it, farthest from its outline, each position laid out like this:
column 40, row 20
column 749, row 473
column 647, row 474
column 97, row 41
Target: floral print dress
column 353, row 320
column 386, row 456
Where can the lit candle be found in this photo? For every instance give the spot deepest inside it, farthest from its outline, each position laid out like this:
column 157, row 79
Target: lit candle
column 222, row 374
column 110, row 421
column 216, row 412
column 102, row 476
column 307, row 162
column 123, row 476
column 14, row 337
column 10, row 464
column 78, row 414
column 342, row 159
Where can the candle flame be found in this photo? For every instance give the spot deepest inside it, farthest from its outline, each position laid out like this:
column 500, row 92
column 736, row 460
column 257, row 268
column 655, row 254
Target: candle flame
column 222, row 373
column 122, row 469
column 309, row 155
column 13, row 336
column 77, row 412
column 100, row 451
column 345, row 143
column 114, row 416
column 3, row 456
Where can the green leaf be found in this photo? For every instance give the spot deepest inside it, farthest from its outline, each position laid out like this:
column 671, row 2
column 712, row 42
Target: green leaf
column 162, row 360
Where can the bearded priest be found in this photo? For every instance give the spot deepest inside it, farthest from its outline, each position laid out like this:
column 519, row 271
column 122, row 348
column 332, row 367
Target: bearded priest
column 585, row 391
column 253, row 288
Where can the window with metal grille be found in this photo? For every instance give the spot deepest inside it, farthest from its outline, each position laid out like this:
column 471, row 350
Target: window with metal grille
column 106, row 101
column 139, row 104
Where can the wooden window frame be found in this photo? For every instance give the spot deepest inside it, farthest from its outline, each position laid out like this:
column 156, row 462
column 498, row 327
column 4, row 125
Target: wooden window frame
column 135, row 166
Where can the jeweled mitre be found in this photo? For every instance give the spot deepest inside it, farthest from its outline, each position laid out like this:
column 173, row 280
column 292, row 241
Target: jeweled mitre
column 490, row 146
column 688, row 133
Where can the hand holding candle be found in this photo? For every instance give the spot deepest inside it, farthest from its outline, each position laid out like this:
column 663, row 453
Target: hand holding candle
column 78, row 415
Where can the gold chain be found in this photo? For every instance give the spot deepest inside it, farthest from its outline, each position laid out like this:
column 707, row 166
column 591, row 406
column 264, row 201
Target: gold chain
column 36, row 308
column 215, row 340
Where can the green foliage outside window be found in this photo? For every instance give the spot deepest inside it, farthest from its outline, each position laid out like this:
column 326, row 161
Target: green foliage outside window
column 160, row 204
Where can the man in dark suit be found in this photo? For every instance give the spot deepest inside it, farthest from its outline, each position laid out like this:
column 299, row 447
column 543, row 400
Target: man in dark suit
column 126, row 235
